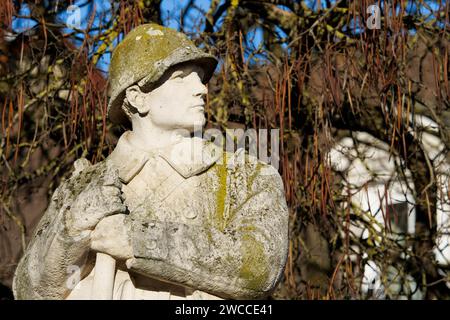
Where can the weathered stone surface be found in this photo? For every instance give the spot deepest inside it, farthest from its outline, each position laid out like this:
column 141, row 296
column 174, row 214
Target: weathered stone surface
column 166, row 215
column 223, row 231
column 62, row 238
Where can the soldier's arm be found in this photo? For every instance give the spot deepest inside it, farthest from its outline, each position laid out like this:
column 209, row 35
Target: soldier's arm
column 240, row 259
column 61, row 242
column 42, row 271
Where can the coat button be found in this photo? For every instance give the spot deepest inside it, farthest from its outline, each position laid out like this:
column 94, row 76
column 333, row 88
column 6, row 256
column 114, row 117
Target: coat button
column 190, row 214
column 151, row 245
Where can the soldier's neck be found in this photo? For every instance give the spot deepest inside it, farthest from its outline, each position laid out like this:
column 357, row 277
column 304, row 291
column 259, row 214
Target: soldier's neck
column 150, row 138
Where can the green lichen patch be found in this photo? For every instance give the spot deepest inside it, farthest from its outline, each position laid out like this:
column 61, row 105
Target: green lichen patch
column 253, row 176
column 221, row 193
column 254, row 269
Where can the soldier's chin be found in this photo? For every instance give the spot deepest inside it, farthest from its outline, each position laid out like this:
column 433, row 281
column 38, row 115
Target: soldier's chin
column 198, row 121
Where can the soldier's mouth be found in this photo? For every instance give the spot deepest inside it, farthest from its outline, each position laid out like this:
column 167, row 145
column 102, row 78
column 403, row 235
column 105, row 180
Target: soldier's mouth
column 199, row 107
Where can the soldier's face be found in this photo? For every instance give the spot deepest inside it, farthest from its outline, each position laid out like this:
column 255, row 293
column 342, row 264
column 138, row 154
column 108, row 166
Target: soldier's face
column 180, row 101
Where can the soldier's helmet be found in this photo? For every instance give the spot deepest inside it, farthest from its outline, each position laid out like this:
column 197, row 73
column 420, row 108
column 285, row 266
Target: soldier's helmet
column 143, row 56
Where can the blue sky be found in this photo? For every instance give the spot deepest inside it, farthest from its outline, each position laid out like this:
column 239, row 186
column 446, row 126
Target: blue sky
column 170, row 10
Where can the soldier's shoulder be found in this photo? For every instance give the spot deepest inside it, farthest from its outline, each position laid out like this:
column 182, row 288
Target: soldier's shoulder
column 83, row 167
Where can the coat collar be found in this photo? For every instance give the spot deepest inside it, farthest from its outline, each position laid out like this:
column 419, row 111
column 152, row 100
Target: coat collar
column 189, row 157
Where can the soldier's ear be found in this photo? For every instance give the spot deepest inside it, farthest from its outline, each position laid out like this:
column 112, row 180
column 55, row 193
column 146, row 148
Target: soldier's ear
column 136, row 98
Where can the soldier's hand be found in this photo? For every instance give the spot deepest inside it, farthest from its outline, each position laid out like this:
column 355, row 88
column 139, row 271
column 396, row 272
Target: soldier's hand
column 97, row 192
column 112, row 236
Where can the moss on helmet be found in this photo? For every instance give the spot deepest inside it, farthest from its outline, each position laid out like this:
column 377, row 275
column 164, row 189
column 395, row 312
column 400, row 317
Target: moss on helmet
column 144, row 55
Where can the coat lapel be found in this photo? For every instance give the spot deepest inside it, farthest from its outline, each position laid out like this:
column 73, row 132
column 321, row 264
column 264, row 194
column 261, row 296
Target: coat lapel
column 189, row 157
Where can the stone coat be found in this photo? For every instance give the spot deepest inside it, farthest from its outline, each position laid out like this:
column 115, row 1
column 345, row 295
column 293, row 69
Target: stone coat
column 217, row 223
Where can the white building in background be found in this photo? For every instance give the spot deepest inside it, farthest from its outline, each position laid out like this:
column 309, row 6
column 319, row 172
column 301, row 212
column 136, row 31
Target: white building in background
column 384, row 202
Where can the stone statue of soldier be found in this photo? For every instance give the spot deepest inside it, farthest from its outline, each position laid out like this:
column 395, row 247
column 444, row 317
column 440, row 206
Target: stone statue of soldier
column 166, row 215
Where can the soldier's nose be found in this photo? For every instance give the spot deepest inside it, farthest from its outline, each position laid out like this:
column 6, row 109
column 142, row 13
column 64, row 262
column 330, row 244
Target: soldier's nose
column 201, row 95
column 201, row 90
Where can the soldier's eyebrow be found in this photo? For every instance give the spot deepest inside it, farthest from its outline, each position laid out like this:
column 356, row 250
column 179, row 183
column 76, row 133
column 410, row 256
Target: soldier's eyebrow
column 185, row 72
column 177, row 73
